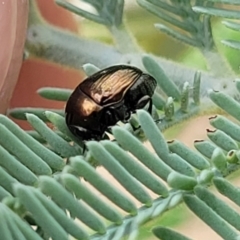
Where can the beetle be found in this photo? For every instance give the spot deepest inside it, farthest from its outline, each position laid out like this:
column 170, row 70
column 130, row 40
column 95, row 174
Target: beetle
column 106, row 97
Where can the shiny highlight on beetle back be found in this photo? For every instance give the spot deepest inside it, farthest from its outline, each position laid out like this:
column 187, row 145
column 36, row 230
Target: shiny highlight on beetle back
column 110, row 87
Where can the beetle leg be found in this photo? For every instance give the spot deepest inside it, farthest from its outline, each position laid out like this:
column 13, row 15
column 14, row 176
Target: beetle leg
column 117, row 113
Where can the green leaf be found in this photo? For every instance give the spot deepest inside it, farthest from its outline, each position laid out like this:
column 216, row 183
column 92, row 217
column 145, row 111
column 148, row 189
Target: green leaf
column 189, row 155
column 233, row 156
column 57, row 143
column 39, row 212
column 205, row 147
column 64, row 199
column 177, row 35
column 219, row 206
column 36, row 136
column 238, row 84
column 16, row 168
column 227, row 103
column 184, row 101
column 153, row 133
column 81, row 191
column 222, row 140
column 227, row 189
column 158, row 101
column 203, row 211
column 90, row 69
column 57, row 94
column 24, row 228
column 118, row 16
column 205, row 176
column 163, row 81
column 225, row 13
column 20, row 113
column 14, row 230
column 181, row 182
column 82, row 168
column 52, row 159
column 119, row 173
column 169, row 109
column 226, row 1
column 232, row 44
column 7, row 181
column 170, row 8
column 60, row 123
column 25, row 155
column 164, row 233
column 230, row 128
column 160, row 146
column 5, row 232
column 82, row 13
column 196, row 87
column 166, row 17
column 4, row 193
column 136, row 169
column 66, row 223
column 232, row 25
column 132, row 144
column 179, row 164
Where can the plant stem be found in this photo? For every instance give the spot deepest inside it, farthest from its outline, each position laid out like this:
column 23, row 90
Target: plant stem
column 65, row 48
column 217, row 65
column 124, row 41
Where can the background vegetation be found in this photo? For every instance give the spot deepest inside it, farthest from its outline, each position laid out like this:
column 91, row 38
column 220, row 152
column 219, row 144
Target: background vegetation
column 49, row 184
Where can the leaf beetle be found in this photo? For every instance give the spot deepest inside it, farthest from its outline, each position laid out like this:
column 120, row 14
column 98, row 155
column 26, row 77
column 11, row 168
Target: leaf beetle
column 105, row 98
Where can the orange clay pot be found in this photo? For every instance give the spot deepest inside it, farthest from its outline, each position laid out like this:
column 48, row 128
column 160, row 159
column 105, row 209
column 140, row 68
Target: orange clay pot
column 37, row 73
column 13, row 25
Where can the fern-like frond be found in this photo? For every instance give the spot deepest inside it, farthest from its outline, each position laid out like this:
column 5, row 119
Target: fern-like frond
column 224, row 13
column 234, row 26
column 65, row 188
column 182, row 22
column 50, row 190
column 108, row 12
column 48, row 185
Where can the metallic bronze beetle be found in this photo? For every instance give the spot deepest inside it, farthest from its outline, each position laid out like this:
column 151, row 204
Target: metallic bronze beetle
column 105, row 98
